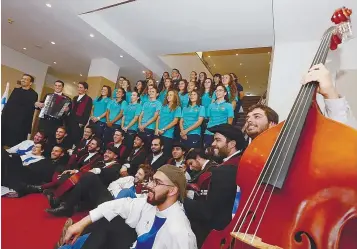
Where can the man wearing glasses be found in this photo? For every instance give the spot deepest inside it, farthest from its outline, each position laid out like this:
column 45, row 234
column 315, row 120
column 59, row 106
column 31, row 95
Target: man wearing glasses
column 158, row 221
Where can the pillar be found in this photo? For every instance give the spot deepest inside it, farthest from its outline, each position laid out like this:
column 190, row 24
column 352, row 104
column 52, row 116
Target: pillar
column 101, row 72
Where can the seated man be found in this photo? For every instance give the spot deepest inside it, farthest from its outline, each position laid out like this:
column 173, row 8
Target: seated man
column 136, row 157
column 69, row 178
column 118, row 139
column 91, row 190
column 60, row 139
column 81, row 148
column 178, row 158
column 22, row 179
column 200, row 166
column 26, row 146
column 157, row 221
column 157, row 158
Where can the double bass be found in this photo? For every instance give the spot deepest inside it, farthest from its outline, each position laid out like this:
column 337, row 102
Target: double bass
column 298, row 180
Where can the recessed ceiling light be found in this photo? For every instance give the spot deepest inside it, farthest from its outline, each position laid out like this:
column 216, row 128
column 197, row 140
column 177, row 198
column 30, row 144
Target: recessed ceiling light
column 24, row 48
column 209, row 56
column 91, row 35
column 53, row 42
column 268, row 52
column 143, row 71
column 236, row 54
column 241, row 64
column 48, row 5
column 74, row 82
column 80, row 75
column 214, row 65
column 245, row 76
column 54, row 62
column 157, row 81
column 121, row 56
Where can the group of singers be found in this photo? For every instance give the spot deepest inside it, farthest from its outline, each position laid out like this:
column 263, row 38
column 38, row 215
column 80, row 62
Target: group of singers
column 169, row 119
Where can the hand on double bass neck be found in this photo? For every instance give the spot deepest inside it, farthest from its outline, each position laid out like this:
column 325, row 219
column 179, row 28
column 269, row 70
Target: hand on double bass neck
column 320, row 74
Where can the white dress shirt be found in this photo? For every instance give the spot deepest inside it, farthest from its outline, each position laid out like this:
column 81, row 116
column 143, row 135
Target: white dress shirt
column 155, row 157
column 23, row 146
column 80, row 96
column 175, row 233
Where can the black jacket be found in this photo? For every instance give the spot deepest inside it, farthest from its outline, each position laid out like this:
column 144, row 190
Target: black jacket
column 135, row 160
column 162, row 160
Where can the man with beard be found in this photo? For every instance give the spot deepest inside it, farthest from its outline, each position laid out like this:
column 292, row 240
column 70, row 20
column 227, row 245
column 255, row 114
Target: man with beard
column 21, row 179
column 136, row 157
column 26, row 146
column 60, row 139
column 88, row 188
column 69, row 178
column 157, row 158
column 157, row 221
column 215, row 212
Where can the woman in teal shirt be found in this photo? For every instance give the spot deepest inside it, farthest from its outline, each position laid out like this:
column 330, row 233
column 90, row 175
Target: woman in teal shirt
column 99, row 111
column 190, row 123
column 219, row 112
column 129, row 122
column 127, row 89
column 168, row 85
column 149, row 114
column 115, row 112
column 169, row 116
column 145, row 96
column 183, row 94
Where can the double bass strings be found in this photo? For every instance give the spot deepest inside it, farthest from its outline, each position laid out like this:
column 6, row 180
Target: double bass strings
column 301, row 100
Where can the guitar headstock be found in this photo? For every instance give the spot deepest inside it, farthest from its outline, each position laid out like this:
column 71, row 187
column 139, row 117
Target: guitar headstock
column 343, row 29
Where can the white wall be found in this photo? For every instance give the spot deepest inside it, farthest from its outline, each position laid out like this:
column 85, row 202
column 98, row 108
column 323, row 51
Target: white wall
column 186, row 64
column 22, row 62
column 291, row 60
column 105, row 68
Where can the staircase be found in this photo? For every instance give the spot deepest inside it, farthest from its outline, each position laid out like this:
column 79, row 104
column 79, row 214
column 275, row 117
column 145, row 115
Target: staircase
column 246, row 103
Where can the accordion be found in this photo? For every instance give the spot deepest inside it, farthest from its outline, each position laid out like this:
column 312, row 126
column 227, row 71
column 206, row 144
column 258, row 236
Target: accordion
column 54, row 106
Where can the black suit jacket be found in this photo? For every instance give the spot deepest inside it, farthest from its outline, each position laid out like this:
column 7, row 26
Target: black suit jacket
column 209, row 166
column 110, row 174
column 162, row 160
column 81, row 119
column 216, row 211
column 135, row 160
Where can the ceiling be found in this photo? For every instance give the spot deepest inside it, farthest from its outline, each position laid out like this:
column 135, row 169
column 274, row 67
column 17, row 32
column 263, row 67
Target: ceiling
column 36, row 25
column 251, row 66
column 143, row 30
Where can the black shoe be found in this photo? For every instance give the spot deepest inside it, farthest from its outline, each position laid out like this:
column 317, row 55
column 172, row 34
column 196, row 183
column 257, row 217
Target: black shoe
column 34, row 189
column 54, row 202
column 60, row 211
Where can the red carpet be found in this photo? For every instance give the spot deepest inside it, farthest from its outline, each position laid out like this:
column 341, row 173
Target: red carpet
column 25, row 224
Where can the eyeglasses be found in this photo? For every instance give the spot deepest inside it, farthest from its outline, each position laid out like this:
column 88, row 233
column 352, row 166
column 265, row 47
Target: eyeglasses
column 156, row 182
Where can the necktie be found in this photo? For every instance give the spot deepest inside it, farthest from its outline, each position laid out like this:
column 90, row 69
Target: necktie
column 147, row 240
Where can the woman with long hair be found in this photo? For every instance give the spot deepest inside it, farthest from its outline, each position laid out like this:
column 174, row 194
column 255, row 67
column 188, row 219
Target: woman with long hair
column 201, row 79
column 127, row 89
column 130, row 119
column 192, row 85
column 118, row 85
column 217, row 78
column 219, row 112
column 149, row 114
column 115, row 112
column 228, row 82
column 99, row 111
column 164, row 76
column 175, row 77
column 145, row 96
column 190, row 123
column 168, row 85
column 139, row 87
column 193, row 76
column 183, row 93
column 169, row 116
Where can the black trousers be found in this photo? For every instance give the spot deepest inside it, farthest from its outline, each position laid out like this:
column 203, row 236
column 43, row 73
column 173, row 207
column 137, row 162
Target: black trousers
column 89, row 192
column 49, row 126
column 115, row 234
column 74, row 131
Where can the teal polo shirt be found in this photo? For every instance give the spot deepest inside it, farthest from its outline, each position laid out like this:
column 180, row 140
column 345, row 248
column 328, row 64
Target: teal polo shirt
column 99, row 107
column 114, row 109
column 218, row 113
column 162, row 96
column 131, row 111
column 144, row 98
column 184, row 100
column 207, row 100
column 166, row 117
column 190, row 116
column 149, row 109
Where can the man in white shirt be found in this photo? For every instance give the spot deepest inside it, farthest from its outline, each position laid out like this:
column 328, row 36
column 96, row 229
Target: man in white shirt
column 26, row 146
column 156, row 222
